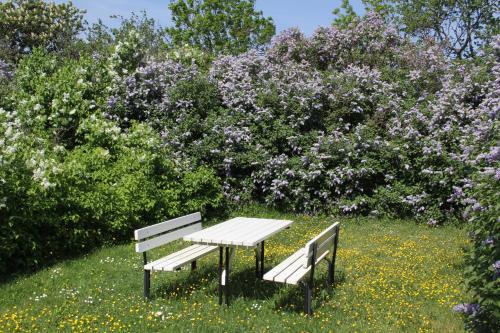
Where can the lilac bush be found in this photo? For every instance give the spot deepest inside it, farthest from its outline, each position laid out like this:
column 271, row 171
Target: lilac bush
column 349, row 121
column 360, row 120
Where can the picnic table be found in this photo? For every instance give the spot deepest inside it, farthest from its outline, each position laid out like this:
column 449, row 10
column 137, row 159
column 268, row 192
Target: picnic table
column 243, row 232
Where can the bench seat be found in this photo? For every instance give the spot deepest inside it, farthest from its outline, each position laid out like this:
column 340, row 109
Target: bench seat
column 291, row 270
column 180, row 258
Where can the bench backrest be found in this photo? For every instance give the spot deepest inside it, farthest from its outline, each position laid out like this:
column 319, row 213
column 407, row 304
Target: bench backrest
column 166, row 232
column 324, row 243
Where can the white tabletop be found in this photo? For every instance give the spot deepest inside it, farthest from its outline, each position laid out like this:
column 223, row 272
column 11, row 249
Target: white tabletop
column 240, row 231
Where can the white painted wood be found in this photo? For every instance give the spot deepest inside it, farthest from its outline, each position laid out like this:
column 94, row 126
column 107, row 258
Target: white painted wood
column 289, row 271
column 180, row 258
column 186, row 258
column 294, row 268
column 320, row 239
column 247, row 228
column 240, row 231
column 206, row 234
column 166, row 226
column 268, row 233
column 233, row 231
column 174, row 257
column 284, row 265
column 326, row 246
column 166, row 238
column 298, row 275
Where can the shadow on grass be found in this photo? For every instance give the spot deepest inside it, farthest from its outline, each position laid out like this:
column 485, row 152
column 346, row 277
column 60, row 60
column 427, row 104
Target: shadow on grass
column 291, row 298
column 182, row 284
column 242, row 283
column 245, row 284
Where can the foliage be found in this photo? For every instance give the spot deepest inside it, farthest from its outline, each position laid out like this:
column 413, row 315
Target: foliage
column 344, row 14
column 27, row 24
column 483, row 210
column 353, row 120
column 54, row 94
column 215, row 26
column 72, row 180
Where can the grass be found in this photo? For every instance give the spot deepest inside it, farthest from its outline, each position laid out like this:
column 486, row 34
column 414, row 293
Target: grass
column 392, row 276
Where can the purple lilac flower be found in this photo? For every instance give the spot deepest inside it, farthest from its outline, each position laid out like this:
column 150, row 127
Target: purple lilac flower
column 477, row 207
column 467, row 309
column 432, row 222
column 496, row 265
column 5, row 71
column 489, row 241
column 112, row 101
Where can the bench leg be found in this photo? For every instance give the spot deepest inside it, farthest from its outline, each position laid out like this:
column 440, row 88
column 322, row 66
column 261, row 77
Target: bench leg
column 193, row 265
column 331, row 265
column 331, row 273
column 147, row 283
column 308, row 299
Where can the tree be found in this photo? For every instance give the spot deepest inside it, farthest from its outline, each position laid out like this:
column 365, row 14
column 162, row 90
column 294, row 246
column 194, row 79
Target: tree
column 152, row 37
column 344, row 15
column 219, row 26
column 463, row 26
column 26, row 24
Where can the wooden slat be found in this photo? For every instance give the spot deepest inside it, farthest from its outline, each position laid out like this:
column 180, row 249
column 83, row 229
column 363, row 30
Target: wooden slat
column 290, row 271
column 205, row 235
column 284, row 265
column 248, row 228
column 186, row 257
column 233, row 232
column 174, row 256
column 166, row 226
column 166, row 238
column 268, row 233
column 324, row 235
column 298, row 275
column 239, row 231
column 326, row 246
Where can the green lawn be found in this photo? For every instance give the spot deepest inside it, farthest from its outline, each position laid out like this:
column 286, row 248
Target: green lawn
column 392, row 276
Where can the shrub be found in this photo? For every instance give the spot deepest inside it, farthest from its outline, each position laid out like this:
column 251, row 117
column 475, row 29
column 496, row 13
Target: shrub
column 58, row 201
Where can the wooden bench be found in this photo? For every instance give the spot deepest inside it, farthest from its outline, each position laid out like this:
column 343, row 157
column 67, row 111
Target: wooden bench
column 164, row 233
column 296, row 267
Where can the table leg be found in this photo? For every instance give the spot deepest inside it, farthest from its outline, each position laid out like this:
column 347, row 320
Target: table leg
column 226, row 282
column 224, row 271
column 257, row 259
column 221, row 252
column 262, row 260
